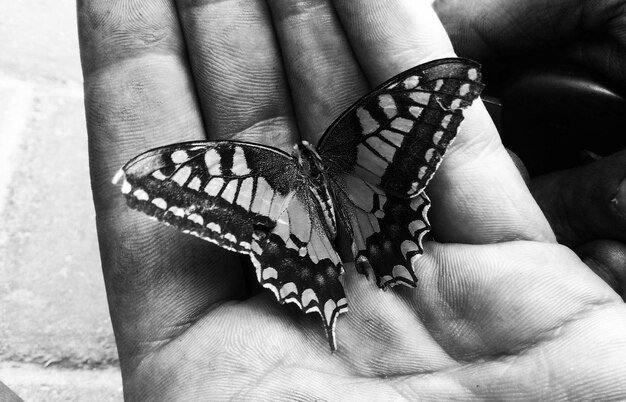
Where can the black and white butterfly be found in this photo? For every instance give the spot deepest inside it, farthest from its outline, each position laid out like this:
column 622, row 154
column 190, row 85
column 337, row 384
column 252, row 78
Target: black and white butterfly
column 368, row 172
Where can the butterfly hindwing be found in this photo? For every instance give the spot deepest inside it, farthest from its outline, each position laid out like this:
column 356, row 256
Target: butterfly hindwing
column 387, row 231
column 384, row 150
column 297, row 261
column 395, row 136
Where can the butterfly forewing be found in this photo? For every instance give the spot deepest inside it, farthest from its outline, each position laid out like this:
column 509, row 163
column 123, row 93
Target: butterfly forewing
column 209, row 189
column 395, row 136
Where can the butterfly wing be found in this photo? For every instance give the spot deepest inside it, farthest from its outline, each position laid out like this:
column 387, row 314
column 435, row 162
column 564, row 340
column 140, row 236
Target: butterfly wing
column 249, row 199
column 212, row 189
column 383, row 151
column 387, row 231
column 297, row 261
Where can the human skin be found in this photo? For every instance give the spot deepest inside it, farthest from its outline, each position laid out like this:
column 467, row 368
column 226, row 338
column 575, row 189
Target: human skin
column 586, row 206
column 500, row 311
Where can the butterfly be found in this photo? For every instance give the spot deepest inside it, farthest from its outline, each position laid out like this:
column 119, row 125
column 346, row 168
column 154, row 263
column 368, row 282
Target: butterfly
column 367, row 173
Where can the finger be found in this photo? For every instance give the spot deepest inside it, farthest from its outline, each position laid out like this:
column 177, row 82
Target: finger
column 478, row 194
column 238, row 70
column 587, row 202
column 607, row 259
column 138, row 95
column 324, row 78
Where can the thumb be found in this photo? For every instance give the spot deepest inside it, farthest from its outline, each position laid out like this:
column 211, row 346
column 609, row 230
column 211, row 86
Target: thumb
column 587, row 202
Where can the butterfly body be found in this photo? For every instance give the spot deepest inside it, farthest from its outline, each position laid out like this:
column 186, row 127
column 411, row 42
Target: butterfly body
column 318, row 180
column 368, row 172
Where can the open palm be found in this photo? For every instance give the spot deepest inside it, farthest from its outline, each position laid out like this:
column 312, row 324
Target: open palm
column 500, row 311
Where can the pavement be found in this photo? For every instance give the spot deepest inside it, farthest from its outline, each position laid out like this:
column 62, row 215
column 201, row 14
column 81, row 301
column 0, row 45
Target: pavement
column 56, row 341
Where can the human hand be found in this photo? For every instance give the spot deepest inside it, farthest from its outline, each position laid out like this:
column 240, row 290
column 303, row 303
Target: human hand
column 591, row 34
column 499, row 311
column 585, row 206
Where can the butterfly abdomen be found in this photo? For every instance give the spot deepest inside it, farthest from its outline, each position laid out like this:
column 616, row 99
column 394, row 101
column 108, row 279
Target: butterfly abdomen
column 317, row 185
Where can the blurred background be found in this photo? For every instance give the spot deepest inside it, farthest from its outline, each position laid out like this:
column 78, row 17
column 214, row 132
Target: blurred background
column 56, row 341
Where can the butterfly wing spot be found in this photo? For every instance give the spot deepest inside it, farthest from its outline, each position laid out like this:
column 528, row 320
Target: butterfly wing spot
column 160, row 203
column 388, row 105
column 421, row 98
column 197, row 219
column 437, row 137
column 141, row 195
column 288, row 289
column 464, row 90
column 182, row 175
column 408, row 246
column 180, row 156
column 402, row 124
column 418, row 202
column 411, row 82
column 177, row 211
column 260, row 204
column 244, row 198
column 269, row 273
column 213, row 162
column 308, row 297
column 329, row 310
column 240, row 164
column 420, row 177
column 368, row 124
column 126, row 187
column 400, row 272
column 195, row 184
column 429, row 154
column 214, row 187
column 417, row 226
column 456, row 104
column 445, row 122
column 159, row 175
column 214, row 227
column 230, row 191
column 416, row 111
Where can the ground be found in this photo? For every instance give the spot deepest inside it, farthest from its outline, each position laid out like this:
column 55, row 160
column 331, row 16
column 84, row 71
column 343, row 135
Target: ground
column 56, row 341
